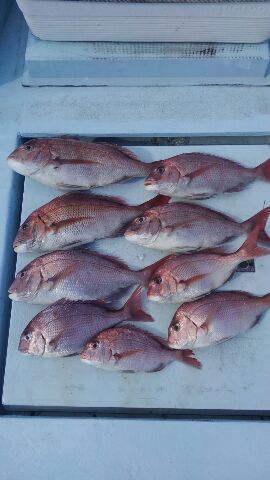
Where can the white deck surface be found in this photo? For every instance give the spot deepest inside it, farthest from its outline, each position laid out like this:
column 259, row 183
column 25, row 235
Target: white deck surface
column 64, row 449
column 235, row 374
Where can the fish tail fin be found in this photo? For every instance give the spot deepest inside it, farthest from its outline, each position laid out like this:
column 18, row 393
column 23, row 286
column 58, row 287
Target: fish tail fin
column 260, row 219
column 133, row 308
column 263, row 171
column 147, row 272
column 187, row 356
column 157, row 201
column 249, row 249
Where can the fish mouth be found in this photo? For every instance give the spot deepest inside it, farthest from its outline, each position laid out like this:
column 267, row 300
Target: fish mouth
column 19, row 247
column 14, row 163
column 13, row 295
column 12, row 157
column 154, row 298
column 129, row 235
column 173, row 344
column 84, row 357
column 149, row 185
column 17, row 165
column 21, row 167
column 23, row 348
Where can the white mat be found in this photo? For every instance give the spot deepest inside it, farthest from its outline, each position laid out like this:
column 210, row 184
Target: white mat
column 235, row 374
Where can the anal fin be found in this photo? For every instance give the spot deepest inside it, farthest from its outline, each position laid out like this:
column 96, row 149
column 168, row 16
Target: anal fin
column 158, row 368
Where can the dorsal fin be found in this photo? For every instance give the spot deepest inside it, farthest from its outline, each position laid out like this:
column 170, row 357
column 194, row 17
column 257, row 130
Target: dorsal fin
column 157, row 338
column 114, row 259
column 64, row 302
column 118, row 261
column 123, row 150
column 88, row 195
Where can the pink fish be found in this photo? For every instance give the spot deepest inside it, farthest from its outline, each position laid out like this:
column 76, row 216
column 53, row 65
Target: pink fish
column 201, row 175
column 63, row 328
column 215, row 318
column 182, row 278
column 130, row 349
column 185, row 227
column 75, row 275
column 71, row 164
column 75, row 219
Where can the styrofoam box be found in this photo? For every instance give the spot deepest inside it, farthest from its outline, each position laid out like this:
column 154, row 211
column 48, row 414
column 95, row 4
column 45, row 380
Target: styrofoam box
column 235, row 374
column 144, row 20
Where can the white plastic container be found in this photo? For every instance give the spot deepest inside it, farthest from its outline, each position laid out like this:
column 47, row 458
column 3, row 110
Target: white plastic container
column 148, row 21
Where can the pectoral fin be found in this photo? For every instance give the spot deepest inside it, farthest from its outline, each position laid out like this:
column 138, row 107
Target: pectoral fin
column 58, row 162
column 210, row 317
column 52, row 345
column 172, row 228
column 54, row 279
column 67, row 223
column 119, row 356
column 200, row 171
column 186, row 283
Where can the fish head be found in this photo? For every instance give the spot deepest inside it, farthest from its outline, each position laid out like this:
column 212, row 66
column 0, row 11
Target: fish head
column 162, row 285
column 28, row 157
column 96, row 352
column 30, row 234
column 32, row 342
column 144, row 229
column 163, row 178
column 26, row 283
column 182, row 332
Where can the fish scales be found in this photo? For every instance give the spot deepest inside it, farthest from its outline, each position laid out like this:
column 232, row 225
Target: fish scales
column 75, row 219
column 128, row 348
column 201, row 175
column 63, row 328
column 73, row 275
column 71, row 164
column 181, row 278
column 188, row 227
column 215, row 318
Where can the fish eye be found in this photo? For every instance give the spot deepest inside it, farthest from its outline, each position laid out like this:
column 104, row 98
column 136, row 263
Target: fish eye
column 161, row 170
column 28, row 148
column 176, row 327
column 21, row 274
column 157, row 280
column 27, row 337
column 25, row 226
column 140, row 219
column 95, row 345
